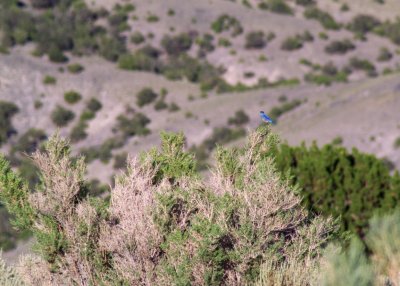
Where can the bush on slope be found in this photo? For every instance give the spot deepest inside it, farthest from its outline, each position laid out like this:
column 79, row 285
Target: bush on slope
column 163, row 225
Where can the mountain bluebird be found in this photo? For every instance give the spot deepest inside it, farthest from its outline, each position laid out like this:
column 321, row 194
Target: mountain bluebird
column 265, row 117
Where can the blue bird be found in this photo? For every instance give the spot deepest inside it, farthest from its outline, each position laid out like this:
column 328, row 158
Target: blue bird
column 265, row 117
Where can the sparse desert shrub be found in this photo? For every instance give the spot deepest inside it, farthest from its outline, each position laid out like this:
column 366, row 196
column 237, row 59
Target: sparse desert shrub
column 223, row 135
column 134, row 125
column 361, row 64
column 120, row 161
column 152, row 18
column 326, row 20
column 255, row 40
column 137, row 38
column 184, row 230
column 384, row 55
column 391, row 30
column 112, row 47
column 7, row 111
column 49, row 80
column 72, row 97
column 160, row 104
column 8, row 275
column 94, row 105
column 397, row 143
column 340, row 47
column 173, row 107
column 305, row 2
column 175, row 45
column 239, row 118
column 145, row 59
column 75, row 68
column 278, row 111
column 227, row 23
column 145, row 96
column 78, row 132
column 62, row 116
column 362, row 24
column 43, row 4
column 29, row 142
column 292, row 43
column 279, row 6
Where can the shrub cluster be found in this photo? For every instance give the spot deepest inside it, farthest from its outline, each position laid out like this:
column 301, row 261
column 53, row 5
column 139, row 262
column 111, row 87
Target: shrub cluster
column 227, row 23
column 145, row 97
column 336, row 182
column 326, row 20
column 297, row 41
column 61, row 116
column 184, row 230
column 78, row 132
column 278, row 111
column 7, row 111
column 255, row 40
column 340, row 47
column 175, row 45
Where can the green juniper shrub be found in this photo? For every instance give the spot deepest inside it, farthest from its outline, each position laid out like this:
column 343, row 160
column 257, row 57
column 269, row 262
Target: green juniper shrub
column 337, row 182
column 305, row 2
column 292, row 43
column 72, row 97
column 280, row 7
column 175, row 45
column 152, row 18
column 144, row 59
column 78, row 132
column 255, row 40
column 112, row 47
column 94, row 105
column 239, row 118
column 160, row 104
column 42, row 4
column 278, row 111
column 361, row 64
column 337, row 140
column 75, row 68
column 391, row 30
column 384, row 55
column 29, row 142
column 227, row 23
column 362, row 24
column 397, row 143
column 49, row 80
column 137, row 38
column 145, row 97
column 120, row 161
column 344, row 7
column 340, row 47
column 87, row 115
column 326, row 20
column 173, row 107
column 61, row 116
column 7, row 111
column 133, row 125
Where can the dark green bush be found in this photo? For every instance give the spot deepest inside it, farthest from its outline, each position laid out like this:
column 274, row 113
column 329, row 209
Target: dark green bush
column 145, row 96
column 49, row 80
column 75, row 68
column 7, row 111
column 223, row 135
column 94, row 105
column 227, row 23
column 340, row 47
column 61, row 116
column 255, row 40
column 326, row 20
column 43, row 4
column 292, row 43
column 384, row 55
column 362, row 24
column 239, row 118
column 280, row 7
column 78, row 132
column 175, row 45
column 145, row 59
column 120, row 161
column 336, row 182
column 305, row 2
column 361, row 64
column 134, row 125
column 390, row 30
column 278, row 111
column 137, row 38
column 29, row 142
column 72, row 97
column 173, row 107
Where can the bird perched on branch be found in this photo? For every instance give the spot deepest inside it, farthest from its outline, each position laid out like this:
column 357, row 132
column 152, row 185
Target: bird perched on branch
column 265, row 117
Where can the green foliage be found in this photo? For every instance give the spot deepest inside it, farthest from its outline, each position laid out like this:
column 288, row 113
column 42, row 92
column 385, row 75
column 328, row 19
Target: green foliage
column 145, row 97
column 292, row 43
column 72, row 97
column 384, row 55
column 337, row 183
column 49, row 80
column 227, row 23
column 390, row 30
column 279, row 6
column 305, row 2
column 239, row 118
column 397, row 143
column 326, row 20
column 62, row 116
column 137, row 38
column 340, row 47
column 255, row 40
column 175, row 45
column 78, row 132
column 8, row 275
column 134, row 125
column 362, row 64
column 7, row 111
column 94, row 105
column 278, row 111
column 328, row 74
column 75, row 68
column 362, row 24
